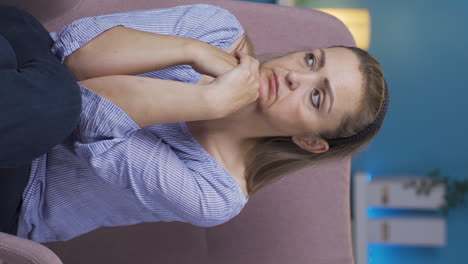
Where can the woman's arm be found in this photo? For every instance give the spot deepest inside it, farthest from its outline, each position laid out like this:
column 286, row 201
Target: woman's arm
column 202, row 24
column 150, row 101
column 126, row 51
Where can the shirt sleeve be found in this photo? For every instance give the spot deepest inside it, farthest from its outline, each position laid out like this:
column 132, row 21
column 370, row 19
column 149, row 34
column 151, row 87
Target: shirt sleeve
column 212, row 24
column 129, row 157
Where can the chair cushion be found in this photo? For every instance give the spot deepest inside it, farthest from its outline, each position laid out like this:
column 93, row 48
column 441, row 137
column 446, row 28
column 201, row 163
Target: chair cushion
column 22, row 251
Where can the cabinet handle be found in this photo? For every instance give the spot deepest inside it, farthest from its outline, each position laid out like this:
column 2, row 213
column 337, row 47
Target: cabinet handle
column 385, row 231
column 385, row 195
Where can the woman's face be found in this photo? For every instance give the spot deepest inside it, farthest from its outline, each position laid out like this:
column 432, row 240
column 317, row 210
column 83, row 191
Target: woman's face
column 317, row 88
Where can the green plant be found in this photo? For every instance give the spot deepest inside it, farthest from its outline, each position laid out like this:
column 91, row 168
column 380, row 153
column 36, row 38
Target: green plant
column 455, row 190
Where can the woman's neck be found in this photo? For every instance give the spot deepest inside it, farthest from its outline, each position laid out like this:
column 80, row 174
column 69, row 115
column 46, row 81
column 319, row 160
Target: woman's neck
column 228, row 138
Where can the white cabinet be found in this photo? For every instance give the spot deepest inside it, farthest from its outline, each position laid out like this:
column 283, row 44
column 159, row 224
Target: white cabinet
column 389, row 192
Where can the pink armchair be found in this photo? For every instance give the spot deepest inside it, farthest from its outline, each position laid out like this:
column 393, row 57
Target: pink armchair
column 303, row 218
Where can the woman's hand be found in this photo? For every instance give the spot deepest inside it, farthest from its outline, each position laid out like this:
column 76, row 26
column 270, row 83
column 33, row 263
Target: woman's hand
column 237, row 87
column 210, row 60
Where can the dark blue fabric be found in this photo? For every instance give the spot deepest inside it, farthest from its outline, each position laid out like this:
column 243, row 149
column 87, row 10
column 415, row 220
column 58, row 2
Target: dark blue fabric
column 40, row 104
column 39, row 98
column 13, row 181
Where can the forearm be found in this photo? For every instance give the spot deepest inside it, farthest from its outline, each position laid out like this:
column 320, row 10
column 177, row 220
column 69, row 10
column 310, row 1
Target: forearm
column 126, row 51
column 150, row 101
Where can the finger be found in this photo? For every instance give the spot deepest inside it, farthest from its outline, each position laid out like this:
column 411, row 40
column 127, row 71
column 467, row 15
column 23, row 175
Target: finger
column 254, row 69
column 234, row 60
column 231, row 59
column 255, row 63
column 237, row 54
column 229, row 62
column 242, row 57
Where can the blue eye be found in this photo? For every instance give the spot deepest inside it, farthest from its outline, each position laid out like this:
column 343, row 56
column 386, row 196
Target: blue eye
column 316, row 98
column 308, row 57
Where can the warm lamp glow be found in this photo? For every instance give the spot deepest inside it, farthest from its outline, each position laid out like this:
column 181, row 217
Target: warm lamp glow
column 358, row 22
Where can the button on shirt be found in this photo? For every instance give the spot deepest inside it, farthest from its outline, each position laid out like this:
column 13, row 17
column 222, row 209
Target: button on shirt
column 111, row 172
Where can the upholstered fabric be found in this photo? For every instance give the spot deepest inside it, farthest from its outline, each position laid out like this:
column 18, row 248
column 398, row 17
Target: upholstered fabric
column 272, row 28
column 15, row 250
column 302, row 218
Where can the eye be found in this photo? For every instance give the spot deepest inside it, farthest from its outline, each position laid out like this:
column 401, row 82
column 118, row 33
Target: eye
column 316, row 98
column 310, row 57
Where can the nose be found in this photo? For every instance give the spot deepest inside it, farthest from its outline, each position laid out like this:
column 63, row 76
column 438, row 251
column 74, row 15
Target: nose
column 294, row 79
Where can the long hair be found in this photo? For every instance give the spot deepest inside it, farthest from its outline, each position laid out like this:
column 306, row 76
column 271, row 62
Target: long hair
column 275, row 157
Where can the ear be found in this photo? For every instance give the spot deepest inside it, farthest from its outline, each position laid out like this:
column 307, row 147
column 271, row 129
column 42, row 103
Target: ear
column 311, row 143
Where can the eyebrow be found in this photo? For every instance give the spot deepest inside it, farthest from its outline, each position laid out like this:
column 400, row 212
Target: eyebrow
column 326, row 82
column 322, row 59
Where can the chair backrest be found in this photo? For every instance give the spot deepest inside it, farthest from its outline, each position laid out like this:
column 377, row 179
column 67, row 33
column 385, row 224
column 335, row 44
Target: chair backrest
column 16, row 250
column 291, row 28
column 272, row 28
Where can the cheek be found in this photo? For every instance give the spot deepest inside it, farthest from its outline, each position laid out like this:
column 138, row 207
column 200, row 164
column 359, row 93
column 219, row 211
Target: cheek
column 291, row 114
column 291, row 107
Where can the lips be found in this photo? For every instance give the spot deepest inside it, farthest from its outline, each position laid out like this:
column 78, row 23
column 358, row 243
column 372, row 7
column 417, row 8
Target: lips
column 274, row 83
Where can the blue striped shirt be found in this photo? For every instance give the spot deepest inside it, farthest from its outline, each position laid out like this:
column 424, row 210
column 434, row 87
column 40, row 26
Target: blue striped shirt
column 111, row 172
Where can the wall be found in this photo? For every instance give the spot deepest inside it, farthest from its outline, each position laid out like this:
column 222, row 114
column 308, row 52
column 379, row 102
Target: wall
column 421, row 45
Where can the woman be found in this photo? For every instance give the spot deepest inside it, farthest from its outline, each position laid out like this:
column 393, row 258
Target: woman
column 131, row 161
